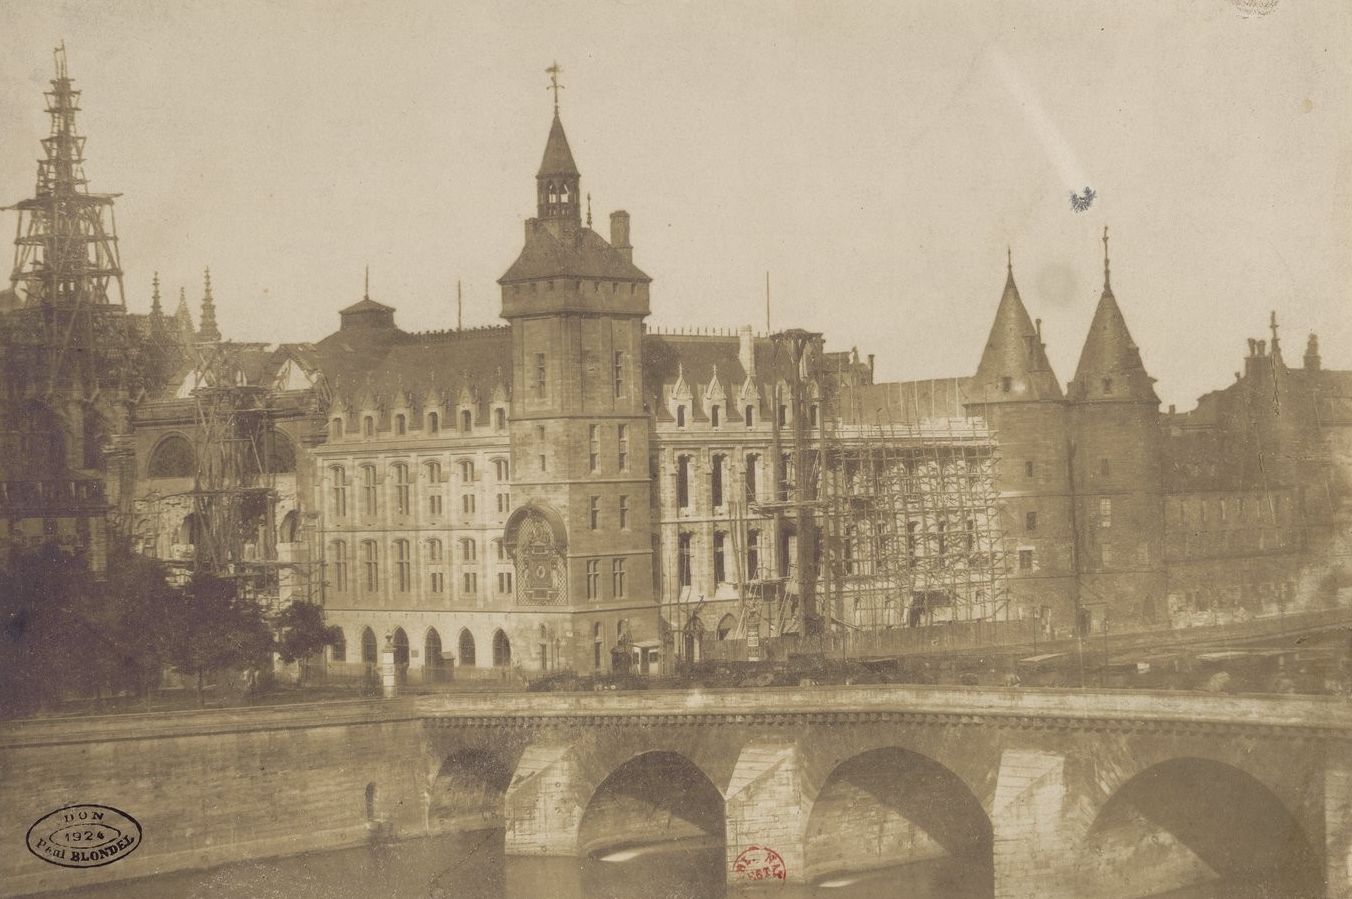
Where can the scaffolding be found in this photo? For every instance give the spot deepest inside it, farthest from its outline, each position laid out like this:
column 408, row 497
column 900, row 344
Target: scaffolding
column 879, row 524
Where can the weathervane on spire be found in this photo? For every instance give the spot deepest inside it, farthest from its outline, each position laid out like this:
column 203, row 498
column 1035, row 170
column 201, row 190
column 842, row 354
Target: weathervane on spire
column 554, row 71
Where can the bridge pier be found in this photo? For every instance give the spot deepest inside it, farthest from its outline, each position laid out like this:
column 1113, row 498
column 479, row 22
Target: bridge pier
column 543, row 807
column 764, row 805
column 1032, row 842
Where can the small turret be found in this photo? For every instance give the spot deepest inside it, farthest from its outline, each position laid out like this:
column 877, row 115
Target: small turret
column 1312, row 360
column 208, row 333
column 183, row 317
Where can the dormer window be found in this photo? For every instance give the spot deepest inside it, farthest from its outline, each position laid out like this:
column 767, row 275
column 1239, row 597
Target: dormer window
column 680, row 416
column 368, row 427
column 336, row 428
column 749, row 417
column 714, row 415
column 433, row 422
column 1006, row 384
column 466, row 420
column 1107, row 385
column 400, row 425
column 500, row 418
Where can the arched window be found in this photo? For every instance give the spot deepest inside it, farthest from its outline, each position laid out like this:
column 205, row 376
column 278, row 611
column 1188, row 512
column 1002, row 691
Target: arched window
column 400, row 424
column 191, row 530
column 403, row 565
column 368, row 489
column 466, row 420
column 500, row 469
column 173, row 457
column 338, row 491
column 433, row 422
column 289, row 532
column 432, row 470
column 369, row 653
column 466, row 648
column 466, row 470
column 400, row 642
column 335, row 428
column 725, row 626
column 338, row 649
column 502, row 650
column 370, row 558
column 338, row 557
column 682, row 482
column 433, row 663
column 401, row 489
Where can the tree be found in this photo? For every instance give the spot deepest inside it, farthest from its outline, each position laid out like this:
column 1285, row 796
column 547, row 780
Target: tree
column 215, row 628
column 302, row 633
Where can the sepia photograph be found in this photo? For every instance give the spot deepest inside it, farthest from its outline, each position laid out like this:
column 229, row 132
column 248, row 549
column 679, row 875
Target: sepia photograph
column 599, row 449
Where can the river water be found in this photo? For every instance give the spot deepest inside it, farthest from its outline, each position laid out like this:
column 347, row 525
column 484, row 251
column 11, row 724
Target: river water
column 473, row 866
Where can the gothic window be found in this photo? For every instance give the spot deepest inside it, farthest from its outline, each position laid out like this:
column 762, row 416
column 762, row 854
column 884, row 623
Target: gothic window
column 466, row 648
column 336, row 428
column 338, row 651
column 683, row 560
column 622, row 447
column 720, row 563
column 401, row 489
column 368, row 646
column 683, row 482
column 433, row 422
column 173, row 458
column 680, row 416
column 502, row 650
column 466, row 420
column 752, row 461
column 289, row 532
column 466, row 470
column 713, row 416
column 338, row 490
column 338, row 554
column 748, row 415
column 753, row 554
column 403, row 565
column 617, row 578
column 716, row 479
column 368, row 489
column 623, row 513
column 400, row 424
column 371, row 565
column 593, row 578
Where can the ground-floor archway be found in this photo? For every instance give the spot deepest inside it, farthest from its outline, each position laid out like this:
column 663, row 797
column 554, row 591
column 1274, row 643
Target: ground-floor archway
column 468, row 790
column 906, row 817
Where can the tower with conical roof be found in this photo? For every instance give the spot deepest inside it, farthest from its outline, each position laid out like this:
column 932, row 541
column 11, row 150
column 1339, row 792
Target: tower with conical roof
column 1118, row 473
column 579, row 531
column 1015, row 390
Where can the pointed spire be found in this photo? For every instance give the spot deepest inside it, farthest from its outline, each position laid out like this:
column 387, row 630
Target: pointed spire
column 156, row 310
column 183, row 317
column 208, row 332
column 1110, row 368
column 1107, row 282
column 558, row 158
column 589, row 219
column 1014, row 365
column 1276, row 342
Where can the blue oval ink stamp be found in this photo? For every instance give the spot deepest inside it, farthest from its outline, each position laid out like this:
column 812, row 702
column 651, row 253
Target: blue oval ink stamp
column 84, row 836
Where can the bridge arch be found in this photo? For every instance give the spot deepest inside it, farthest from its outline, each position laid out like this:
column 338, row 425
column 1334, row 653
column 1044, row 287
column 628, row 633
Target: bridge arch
column 468, row 790
column 891, row 807
column 1192, row 819
column 656, row 796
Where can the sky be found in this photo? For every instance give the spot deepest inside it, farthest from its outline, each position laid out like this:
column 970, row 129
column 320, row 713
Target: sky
column 876, row 159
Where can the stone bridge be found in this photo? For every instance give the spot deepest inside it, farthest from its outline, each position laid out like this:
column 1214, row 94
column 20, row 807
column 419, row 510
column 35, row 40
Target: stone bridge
column 1037, row 793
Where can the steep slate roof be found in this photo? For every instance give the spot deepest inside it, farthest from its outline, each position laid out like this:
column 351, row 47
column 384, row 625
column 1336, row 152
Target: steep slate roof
column 1110, row 354
column 1014, row 350
column 905, row 402
column 585, row 255
column 366, row 305
column 558, row 158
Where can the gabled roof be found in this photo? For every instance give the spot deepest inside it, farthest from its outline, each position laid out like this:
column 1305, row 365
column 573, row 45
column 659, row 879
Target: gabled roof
column 1014, row 350
column 558, row 158
column 580, row 254
column 1110, row 366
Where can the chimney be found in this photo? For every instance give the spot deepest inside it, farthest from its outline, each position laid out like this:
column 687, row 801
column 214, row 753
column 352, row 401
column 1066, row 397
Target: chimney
column 746, row 350
column 870, row 368
column 619, row 233
column 1312, row 360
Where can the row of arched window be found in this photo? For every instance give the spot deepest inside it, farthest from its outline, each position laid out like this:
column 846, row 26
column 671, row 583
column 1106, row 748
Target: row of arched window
column 175, row 457
column 363, row 574
column 747, row 417
column 401, row 423
column 718, row 477
column 400, row 486
column 433, row 653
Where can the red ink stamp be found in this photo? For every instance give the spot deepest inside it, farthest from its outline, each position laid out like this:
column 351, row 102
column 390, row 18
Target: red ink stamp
column 759, row 863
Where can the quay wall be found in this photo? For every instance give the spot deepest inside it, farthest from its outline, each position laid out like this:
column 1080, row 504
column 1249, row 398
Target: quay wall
column 211, row 787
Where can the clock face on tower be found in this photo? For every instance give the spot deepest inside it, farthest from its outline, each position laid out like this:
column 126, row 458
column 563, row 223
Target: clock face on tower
column 539, row 563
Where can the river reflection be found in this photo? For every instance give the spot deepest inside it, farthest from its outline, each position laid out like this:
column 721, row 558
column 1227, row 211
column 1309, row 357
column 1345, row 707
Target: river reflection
column 472, row 866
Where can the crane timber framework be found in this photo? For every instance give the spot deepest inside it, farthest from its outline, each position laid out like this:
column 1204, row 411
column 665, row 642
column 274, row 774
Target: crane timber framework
column 881, row 524
column 66, row 264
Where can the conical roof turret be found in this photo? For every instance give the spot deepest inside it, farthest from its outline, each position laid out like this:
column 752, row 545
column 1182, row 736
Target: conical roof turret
column 558, row 158
column 1110, row 368
column 1014, row 366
